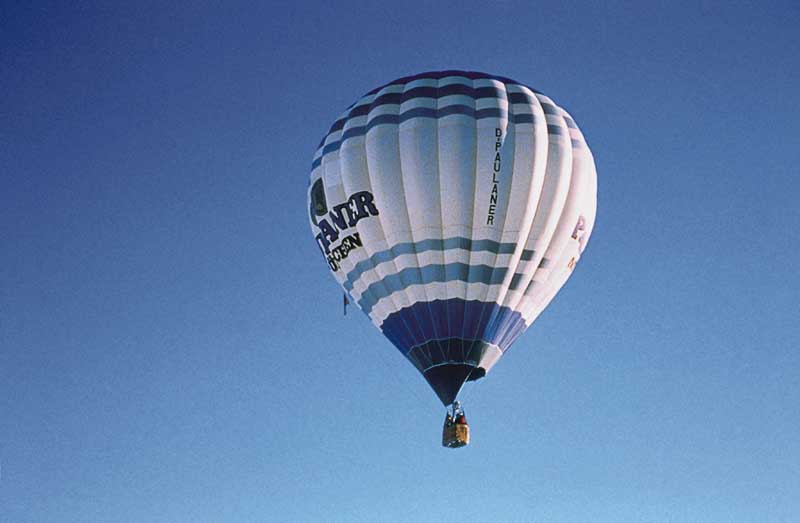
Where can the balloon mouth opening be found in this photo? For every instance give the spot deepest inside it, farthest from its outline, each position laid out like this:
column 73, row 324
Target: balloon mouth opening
column 448, row 379
column 448, row 364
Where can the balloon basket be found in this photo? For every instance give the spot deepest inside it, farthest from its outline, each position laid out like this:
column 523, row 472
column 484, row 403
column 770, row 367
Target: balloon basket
column 455, row 432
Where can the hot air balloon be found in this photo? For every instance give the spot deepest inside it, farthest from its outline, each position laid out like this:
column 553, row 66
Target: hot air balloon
column 451, row 207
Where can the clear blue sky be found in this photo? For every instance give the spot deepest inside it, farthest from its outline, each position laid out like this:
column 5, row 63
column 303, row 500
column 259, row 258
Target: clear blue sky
column 172, row 346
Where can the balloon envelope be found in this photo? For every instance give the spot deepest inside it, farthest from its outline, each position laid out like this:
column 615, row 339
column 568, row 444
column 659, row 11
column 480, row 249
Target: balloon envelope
column 451, row 207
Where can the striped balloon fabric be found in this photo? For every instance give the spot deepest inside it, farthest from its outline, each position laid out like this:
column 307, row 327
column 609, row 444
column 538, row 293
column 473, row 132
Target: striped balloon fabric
column 451, row 207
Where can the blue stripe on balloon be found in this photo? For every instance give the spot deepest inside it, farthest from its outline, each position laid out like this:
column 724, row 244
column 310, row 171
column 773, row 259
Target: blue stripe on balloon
column 420, row 112
column 425, row 112
column 453, row 318
column 549, row 108
column 523, row 118
column 446, row 244
column 435, row 273
column 429, row 274
column 428, row 92
column 475, row 93
column 436, row 75
column 436, row 92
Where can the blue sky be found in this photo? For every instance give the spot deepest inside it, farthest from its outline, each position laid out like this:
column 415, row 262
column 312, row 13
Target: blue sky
column 171, row 343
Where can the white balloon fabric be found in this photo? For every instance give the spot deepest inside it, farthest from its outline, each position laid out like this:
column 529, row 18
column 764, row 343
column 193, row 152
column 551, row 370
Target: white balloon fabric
column 452, row 206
